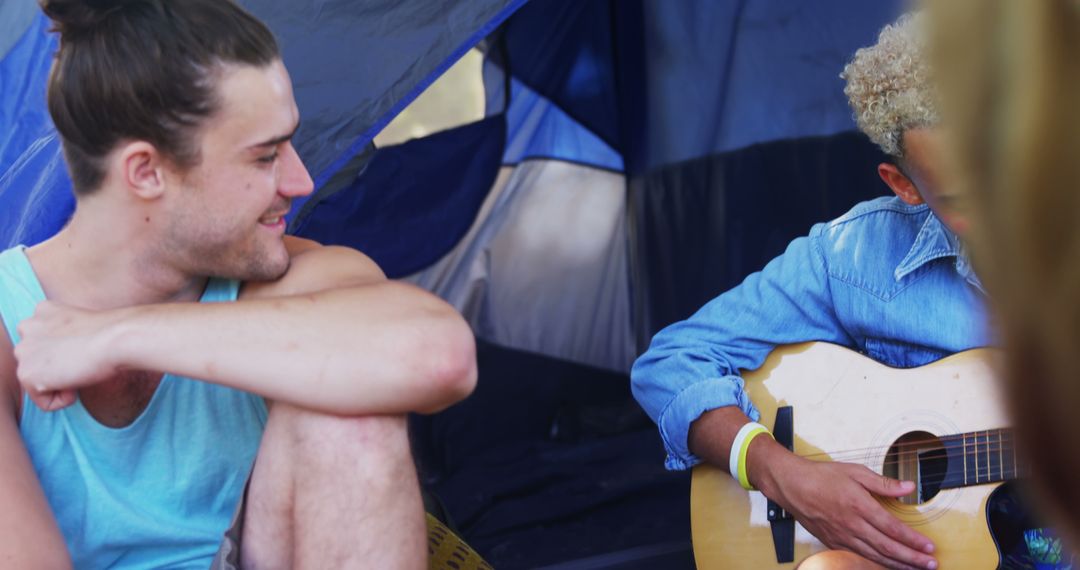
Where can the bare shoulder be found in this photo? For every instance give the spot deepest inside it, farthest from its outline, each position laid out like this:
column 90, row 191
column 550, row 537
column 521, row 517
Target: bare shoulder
column 317, row 267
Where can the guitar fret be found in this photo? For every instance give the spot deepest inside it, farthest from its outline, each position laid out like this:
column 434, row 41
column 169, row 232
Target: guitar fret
column 1001, row 457
column 1015, row 471
column 963, row 449
column 975, row 458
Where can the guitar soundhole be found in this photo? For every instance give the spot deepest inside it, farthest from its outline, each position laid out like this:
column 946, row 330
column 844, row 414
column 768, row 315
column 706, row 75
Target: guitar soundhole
column 920, row 457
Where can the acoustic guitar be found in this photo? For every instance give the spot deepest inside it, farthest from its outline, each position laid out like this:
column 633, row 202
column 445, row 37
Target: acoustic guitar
column 940, row 425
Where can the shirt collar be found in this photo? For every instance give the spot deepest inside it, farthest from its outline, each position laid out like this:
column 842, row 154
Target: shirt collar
column 935, row 241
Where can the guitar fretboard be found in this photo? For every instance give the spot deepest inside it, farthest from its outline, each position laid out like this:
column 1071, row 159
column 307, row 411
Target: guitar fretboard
column 980, row 457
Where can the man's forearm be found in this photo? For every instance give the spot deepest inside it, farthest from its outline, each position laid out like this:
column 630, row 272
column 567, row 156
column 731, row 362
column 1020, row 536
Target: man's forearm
column 711, row 437
column 380, row 348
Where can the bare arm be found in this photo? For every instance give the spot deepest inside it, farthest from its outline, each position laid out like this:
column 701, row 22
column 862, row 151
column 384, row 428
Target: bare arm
column 333, row 335
column 29, row 535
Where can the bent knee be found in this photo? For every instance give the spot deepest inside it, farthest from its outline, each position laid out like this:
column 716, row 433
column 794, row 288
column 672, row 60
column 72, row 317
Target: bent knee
column 316, row 431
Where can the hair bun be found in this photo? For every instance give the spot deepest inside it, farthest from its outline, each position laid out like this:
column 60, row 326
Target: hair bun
column 73, row 16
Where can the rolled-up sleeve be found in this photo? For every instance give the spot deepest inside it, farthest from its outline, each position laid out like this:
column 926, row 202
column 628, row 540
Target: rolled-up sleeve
column 693, row 366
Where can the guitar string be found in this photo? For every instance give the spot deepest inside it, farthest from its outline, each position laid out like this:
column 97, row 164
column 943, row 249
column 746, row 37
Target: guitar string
column 992, row 454
column 979, row 459
column 983, row 455
column 971, row 450
column 1003, row 436
column 981, row 452
column 981, row 463
column 880, row 468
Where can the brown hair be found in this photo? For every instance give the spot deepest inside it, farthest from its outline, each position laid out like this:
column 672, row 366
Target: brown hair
column 1010, row 79
column 143, row 70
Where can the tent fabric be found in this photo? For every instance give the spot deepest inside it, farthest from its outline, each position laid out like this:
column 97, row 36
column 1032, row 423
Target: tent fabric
column 35, row 194
column 666, row 82
column 563, row 51
column 413, row 202
column 718, row 76
column 24, row 69
column 735, row 212
column 542, row 129
column 15, row 17
column 35, row 191
column 544, row 267
column 356, row 65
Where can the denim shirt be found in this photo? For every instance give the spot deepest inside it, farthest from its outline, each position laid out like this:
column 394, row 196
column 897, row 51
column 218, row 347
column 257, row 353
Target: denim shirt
column 887, row 279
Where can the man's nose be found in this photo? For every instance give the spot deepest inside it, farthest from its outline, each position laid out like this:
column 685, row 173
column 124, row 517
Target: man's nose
column 295, row 179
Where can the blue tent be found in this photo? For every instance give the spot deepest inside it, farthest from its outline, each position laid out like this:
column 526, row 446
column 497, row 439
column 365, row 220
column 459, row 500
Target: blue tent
column 635, row 159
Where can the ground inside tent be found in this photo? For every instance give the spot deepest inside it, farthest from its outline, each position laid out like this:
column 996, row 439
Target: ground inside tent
column 553, row 463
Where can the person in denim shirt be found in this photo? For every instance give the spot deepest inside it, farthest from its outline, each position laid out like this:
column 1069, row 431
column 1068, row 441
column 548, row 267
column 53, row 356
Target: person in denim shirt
column 889, row 278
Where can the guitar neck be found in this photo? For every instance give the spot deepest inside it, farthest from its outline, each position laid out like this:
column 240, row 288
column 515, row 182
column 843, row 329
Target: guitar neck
column 980, row 457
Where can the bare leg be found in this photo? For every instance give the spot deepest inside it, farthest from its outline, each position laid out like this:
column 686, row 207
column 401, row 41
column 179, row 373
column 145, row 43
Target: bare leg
column 331, row 492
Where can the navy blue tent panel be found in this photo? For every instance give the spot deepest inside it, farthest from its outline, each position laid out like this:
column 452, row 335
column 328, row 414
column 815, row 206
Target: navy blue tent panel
column 356, row 65
column 563, row 51
column 541, row 129
column 665, row 82
column 718, row 76
column 705, row 224
column 413, row 202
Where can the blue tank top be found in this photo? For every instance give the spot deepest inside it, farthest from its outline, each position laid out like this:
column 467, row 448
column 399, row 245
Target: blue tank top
column 158, row 493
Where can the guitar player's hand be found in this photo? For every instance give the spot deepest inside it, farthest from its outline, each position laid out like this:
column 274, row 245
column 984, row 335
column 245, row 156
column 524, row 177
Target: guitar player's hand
column 835, row 502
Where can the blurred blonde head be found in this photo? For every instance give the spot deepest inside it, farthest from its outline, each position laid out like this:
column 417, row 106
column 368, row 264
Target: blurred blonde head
column 1009, row 74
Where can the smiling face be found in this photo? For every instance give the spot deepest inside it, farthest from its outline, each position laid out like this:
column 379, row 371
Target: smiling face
column 225, row 216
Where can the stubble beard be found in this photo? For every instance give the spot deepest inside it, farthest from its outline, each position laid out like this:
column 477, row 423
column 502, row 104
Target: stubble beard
column 210, row 247
column 256, row 264
column 251, row 260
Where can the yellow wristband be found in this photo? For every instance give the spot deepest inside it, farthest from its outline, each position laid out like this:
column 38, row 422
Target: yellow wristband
column 752, row 430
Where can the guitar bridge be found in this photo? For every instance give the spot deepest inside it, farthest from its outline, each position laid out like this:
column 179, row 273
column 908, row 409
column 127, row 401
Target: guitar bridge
column 781, row 522
column 777, row 513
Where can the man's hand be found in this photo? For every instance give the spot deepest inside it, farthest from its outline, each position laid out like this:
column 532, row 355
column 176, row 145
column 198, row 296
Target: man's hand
column 62, row 349
column 836, row 503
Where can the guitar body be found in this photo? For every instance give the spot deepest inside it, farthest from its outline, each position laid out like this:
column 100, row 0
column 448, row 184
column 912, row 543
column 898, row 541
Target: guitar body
column 842, row 400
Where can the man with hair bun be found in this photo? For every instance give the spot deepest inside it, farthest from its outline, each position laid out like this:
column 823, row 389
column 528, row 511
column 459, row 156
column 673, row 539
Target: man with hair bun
column 149, row 421
column 889, row 278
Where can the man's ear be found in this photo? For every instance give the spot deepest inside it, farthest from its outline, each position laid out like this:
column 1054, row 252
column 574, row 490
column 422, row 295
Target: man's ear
column 142, row 169
column 899, row 183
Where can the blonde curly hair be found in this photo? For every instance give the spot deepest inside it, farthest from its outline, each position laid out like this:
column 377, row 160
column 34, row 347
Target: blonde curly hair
column 888, row 85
